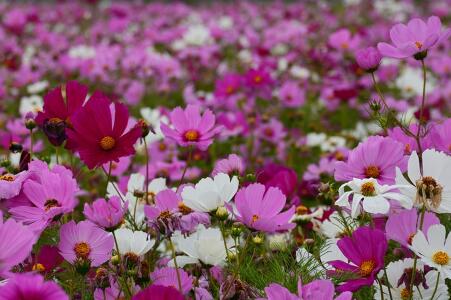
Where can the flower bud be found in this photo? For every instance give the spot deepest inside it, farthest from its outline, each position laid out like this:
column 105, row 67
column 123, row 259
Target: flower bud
column 368, row 59
column 30, row 124
column 222, row 213
column 15, row 147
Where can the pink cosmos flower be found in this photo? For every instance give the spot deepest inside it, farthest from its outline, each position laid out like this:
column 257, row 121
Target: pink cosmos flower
column 49, row 199
column 260, row 208
column 11, row 184
column 158, row 292
column 272, row 131
column 365, row 250
column 85, row 242
column 343, row 40
column 377, row 158
column 228, row 85
column 168, row 277
column 318, row 289
column 232, row 165
column 31, row 286
column 402, row 226
column 414, row 39
column 291, row 94
column 16, row 242
column 409, row 142
column 441, row 137
column 98, row 138
column 368, row 59
column 59, row 109
column 107, row 214
column 190, row 128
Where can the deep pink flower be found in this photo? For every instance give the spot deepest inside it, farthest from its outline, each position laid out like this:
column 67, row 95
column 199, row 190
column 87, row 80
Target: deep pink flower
column 368, row 59
column 278, row 176
column 16, row 242
column 59, row 109
column 318, row 289
column 190, row 128
column 232, row 165
column 85, row 242
column 377, row 157
column 107, row 214
column 402, row 226
column 414, row 39
column 168, row 277
column 228, row 85
column 409, row 142
column 31, row 287
column 260, row 208
column 47, row 260
column 99, row 140
column 343, row 40
column 365, row 251
column 50, row 198
column 158, row 292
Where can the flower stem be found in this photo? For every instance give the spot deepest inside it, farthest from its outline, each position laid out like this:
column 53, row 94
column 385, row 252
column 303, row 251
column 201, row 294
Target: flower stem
column 388, row 283
column 221, row 227
column 420, row 121
column 436, row 286
column 108, row 178
column 382, row 290
column 146, row 151
column 179, row 281
column 190, row 153
column 414, row 269
column 31, row 144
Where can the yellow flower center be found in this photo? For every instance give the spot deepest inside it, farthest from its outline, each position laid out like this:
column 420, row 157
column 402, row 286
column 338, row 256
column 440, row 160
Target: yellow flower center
column 191, row 135
column 418, row 45
column 368, row 189
column 372, row 172
column 185, row 210
column 107, row 143
column 440, row 258
column 405, row 294
column 165, row 214
column 50, row 204
column 345, row 45
column 38, row 267
column 230, row 89
column 7, row 177
column 301, row 210
column 258, row 79
column 82, row 250
column 255, row 218
column 367, row 267
column 55, row 120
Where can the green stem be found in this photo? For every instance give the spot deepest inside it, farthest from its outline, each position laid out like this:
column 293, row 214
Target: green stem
column 221, row 227
column 420, row 121
column 436, row 285
column 179, row 282
column 108, row 178
column 31, row 144
column 415, row 259
column 57, row 155
column 382, row 290
column 388, row 283
column 147, row 167
column 190, row 152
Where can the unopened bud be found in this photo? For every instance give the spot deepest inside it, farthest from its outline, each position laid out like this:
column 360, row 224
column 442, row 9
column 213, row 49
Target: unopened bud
column 222, row 213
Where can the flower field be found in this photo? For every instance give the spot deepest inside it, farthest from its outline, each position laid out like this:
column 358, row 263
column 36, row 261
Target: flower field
column 225, row 150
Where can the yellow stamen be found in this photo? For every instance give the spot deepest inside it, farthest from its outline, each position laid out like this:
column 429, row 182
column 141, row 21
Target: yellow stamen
column 107, row 143
column 82, row 250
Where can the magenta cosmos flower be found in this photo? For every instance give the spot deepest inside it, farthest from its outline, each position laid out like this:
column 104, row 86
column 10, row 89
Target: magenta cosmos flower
column 402, row 226
column 107, row 214
column 16, row 242
column 377, row 158
column 278, row 176
column 414, row 39
column 365, row 250
column 168, row 277
column 318, row 289
column 31, row 287
column 442, row 137
column 50, row 198
column 60, row 104
column 158, row 292
column 85, row 242
column 98, row 139
column 260, row 208
column 190, row 128
column 368, row 59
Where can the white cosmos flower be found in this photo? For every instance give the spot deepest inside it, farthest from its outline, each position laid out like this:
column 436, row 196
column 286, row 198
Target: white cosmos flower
column 154, row 118
column 433, row 189
column 334, row 226
column 205, row 245
column 137, row 183
column 33, row 103
column 374, row 197
column 435, row 251
column 37, row 87
column 133, row 242
column 397, row 269
column 209, row 194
